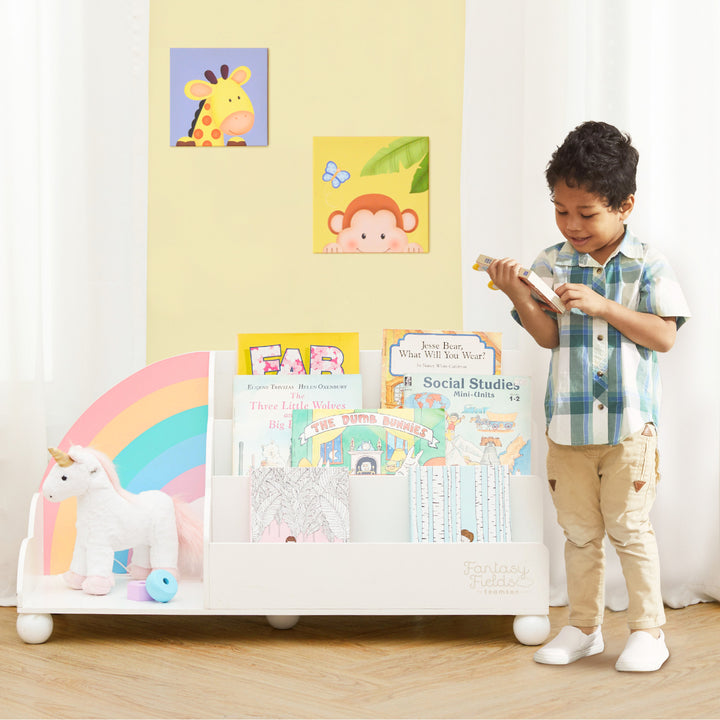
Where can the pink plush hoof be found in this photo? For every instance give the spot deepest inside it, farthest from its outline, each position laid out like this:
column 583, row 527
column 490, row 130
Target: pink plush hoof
column 73, row 580
column 96, row 585
column 137, row 572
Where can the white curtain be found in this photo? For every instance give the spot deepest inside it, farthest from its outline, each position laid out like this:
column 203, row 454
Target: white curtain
column 535, row 69
column 73, row 208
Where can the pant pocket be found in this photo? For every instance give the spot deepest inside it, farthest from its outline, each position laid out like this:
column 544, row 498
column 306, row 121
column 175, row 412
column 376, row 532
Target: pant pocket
column 644, row 466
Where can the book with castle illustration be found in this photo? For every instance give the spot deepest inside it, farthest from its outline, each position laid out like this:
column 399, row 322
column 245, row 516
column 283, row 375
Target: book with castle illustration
column 263, row 407
column 442, row 351
column 488, row 416
column 305, row 353
column 541, row 291
column 368, row 442
column 308, row 504
column 460, row 504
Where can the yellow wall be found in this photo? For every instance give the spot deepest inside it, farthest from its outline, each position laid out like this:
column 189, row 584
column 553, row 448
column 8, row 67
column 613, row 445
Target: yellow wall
column 230, row 230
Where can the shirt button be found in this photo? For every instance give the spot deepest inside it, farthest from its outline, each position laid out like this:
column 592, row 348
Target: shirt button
column 600, row 373
column 601, row 406
column 600, row 337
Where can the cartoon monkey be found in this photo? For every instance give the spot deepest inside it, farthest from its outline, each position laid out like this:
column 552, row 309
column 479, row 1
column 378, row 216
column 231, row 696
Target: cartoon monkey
column 372, row 224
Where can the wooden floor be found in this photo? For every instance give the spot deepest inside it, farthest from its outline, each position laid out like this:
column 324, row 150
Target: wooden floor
column 345, row 667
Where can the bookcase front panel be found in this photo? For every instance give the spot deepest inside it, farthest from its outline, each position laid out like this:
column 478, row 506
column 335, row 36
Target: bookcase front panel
column 378, row 578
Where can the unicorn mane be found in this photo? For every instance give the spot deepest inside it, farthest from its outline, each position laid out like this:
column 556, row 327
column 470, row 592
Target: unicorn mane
column 109, row 467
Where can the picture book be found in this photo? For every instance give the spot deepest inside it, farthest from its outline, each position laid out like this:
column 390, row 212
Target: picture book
column 460, row 504
column 368, row 442
column 488, row 416
column 370, row 195
column 262, row 413
column 309, row 504
column 541, row 291
column 298, row 353
column 442, row 351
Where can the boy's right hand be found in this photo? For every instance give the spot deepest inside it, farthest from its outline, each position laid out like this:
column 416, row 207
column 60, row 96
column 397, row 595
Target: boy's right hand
column 541, row 325
column 505, row 276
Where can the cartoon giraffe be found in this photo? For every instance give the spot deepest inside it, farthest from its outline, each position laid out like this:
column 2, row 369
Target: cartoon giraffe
column 225, row 109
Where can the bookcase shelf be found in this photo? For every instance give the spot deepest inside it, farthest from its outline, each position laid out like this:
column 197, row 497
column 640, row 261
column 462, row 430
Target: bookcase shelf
column 379, row 572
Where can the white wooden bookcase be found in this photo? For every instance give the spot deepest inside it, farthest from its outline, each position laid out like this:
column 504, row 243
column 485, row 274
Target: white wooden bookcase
column 378, row 573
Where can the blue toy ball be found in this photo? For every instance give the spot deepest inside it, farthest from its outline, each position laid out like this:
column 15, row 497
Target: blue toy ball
column 161, row 585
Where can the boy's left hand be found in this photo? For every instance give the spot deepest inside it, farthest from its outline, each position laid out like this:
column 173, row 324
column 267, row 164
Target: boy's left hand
column 575, row 295
column 654, row 332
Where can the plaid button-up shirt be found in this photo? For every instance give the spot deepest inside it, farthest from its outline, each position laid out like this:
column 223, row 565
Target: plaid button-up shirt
column 601, row 386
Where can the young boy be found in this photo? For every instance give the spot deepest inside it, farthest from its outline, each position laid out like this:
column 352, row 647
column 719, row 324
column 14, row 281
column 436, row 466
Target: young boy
column 603, row 393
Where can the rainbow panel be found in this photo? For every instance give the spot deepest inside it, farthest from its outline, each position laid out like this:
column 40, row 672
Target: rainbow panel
column 153, row 426
column 168, row 464
column 147, row 411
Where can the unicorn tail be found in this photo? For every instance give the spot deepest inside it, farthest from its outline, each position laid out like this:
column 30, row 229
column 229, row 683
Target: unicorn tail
column 190, row 540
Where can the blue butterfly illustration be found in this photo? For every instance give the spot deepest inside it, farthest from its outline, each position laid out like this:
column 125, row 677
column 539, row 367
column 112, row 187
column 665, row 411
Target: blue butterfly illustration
column 334, row 176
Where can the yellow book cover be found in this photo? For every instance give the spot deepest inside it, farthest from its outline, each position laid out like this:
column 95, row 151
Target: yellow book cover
column 298, row 353
column 444, row 352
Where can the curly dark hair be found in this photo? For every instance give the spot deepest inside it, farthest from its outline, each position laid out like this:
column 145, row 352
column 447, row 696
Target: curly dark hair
column 599, row 158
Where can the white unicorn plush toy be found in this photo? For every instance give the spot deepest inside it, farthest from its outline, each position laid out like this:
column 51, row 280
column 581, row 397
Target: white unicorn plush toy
column 158, row 528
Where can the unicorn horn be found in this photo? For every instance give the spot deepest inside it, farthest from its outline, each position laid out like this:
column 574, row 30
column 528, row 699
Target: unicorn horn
column 61, row 458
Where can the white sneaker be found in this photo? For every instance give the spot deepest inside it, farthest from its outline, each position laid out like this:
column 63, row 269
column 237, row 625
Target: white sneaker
column 643, row 653
column 570, row 645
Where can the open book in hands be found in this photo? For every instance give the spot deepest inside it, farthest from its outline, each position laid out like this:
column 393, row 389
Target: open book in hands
column 541, row 291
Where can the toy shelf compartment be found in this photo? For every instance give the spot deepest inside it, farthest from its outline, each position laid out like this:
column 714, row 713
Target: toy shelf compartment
column 379, row 572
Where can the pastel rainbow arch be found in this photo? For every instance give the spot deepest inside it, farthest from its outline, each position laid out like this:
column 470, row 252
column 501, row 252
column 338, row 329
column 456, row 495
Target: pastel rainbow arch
column 153, row 426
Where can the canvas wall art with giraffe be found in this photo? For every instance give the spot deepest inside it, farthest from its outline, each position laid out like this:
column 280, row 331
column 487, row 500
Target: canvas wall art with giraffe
column 218, row 97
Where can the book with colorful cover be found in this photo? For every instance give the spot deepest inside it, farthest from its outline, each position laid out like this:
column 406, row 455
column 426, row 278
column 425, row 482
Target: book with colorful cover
column 488, row 416
column 309, row 504
column 298, row 353
column 441, row 351
column 368, row 442
column 262, row 413
column 460, row 504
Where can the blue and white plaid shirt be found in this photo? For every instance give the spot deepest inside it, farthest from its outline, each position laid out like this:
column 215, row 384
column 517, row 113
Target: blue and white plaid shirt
column 601, row 386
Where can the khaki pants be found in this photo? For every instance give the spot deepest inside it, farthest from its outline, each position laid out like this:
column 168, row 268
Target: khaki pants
column 599, row 489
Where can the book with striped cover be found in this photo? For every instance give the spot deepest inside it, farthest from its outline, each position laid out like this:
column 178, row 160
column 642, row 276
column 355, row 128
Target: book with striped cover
column 455, row 503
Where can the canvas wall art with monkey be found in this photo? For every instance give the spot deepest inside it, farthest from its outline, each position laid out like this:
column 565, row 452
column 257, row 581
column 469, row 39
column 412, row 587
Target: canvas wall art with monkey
column 370, row 195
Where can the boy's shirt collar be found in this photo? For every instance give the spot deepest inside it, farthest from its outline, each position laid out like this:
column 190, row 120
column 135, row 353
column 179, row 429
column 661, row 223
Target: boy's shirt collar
column 630, row 246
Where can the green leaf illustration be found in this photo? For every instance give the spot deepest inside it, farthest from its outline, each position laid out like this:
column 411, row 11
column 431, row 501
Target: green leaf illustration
column 421, row 178
column 405, row 151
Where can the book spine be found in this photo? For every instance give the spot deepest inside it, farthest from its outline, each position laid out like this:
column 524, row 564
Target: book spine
column 483, row 262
